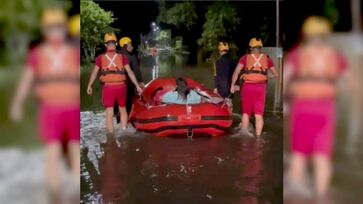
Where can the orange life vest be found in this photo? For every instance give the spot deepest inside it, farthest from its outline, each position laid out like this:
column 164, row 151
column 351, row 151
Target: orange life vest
column 255, row 70
column 112, row 69
column 317, row 73
column 57, row 75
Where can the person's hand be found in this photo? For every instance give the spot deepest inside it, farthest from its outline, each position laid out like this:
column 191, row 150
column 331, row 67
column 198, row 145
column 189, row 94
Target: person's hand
column 215, row 91
column 139, row 90
column 272, row 76
column 141, row 84
column 89, row 90
column 16, row 112
column 232, row 90
column 285, row 109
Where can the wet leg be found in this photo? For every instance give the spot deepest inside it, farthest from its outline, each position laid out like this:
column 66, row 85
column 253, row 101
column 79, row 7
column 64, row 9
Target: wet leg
column 259, row 124
column 123, row 117
column 109, row 119
column 322, row 173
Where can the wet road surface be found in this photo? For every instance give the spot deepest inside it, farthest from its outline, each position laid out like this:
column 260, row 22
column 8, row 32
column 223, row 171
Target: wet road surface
column 139, row 168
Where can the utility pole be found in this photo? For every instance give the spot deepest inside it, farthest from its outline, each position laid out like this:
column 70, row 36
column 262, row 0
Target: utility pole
column 356, row 19
column 278, row 84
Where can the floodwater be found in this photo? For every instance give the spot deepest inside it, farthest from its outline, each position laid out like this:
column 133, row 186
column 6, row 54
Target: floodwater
column 139, row 168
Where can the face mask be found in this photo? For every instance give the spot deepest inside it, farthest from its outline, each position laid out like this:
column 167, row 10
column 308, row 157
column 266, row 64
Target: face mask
column 111, row 45
column 56, row 33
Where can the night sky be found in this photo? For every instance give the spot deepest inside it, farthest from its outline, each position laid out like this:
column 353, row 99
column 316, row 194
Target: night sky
column 134, row 17
column 75, row 7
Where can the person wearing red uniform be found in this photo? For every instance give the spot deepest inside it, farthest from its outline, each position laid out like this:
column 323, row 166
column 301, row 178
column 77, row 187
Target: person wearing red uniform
column 312, row 70
column 54, row 68
column 112, row 68
column 252, row 69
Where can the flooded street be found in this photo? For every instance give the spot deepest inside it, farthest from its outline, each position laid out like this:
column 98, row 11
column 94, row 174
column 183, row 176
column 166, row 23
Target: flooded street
column 62, row 59
column 140, row 168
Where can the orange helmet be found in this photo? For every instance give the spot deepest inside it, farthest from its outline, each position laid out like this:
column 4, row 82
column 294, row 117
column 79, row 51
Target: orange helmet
column 109, row 37
column 255, row 43
column 316, row 25
column 53, row 16
column 222, row 46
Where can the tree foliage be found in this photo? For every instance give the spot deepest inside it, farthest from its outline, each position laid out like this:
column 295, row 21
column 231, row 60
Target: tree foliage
column 180, row 14
column 264, row 32
column 95, row 22
column 221, row 20
column 20, row 23
column 331, row 11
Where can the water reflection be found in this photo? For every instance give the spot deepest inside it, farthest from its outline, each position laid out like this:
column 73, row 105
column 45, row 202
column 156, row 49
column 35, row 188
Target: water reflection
column 114, row 171
column 144, row 169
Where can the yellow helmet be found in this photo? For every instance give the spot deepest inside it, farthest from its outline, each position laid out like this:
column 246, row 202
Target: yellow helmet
column 110, row 37
column 53, row 16
column 223, row 46
column 316, row 25
column 74, row 26
column 125, row 41
column 255, row 43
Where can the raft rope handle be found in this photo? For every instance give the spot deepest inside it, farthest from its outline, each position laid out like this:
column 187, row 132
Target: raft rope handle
column 189, row 111
column 227, row 100
column 190, row 133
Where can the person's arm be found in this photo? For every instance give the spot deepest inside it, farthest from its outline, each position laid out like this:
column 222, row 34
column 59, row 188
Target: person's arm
column 133, row 78
column 271, row 67
column 288, row 73
column 347, row 78
column 287, row 76
column 274, row 72
column 215, row 90
column 92, row 79
column 136, row 69
column 26, row 81
column 235, row 76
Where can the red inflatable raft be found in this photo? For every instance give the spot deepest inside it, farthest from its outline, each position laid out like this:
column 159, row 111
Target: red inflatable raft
column 175, row 119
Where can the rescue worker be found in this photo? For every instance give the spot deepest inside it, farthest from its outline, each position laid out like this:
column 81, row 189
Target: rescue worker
column 311, row 72
column 252, row 69
column 113, row 68
column 74, row 29
column 54, row 66
column 223, row 70
column 128, row 50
